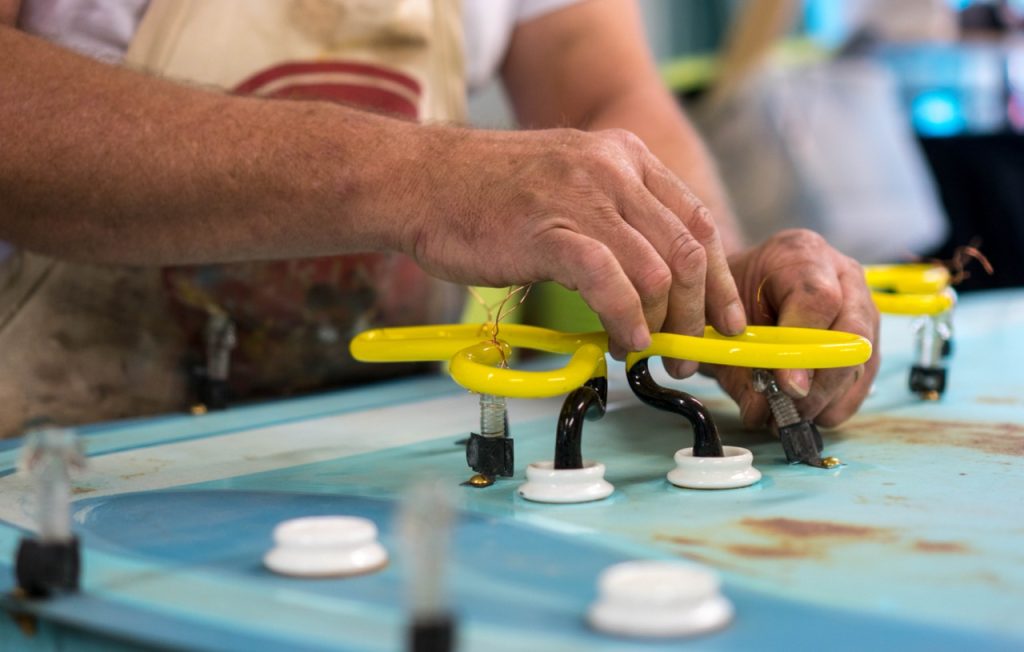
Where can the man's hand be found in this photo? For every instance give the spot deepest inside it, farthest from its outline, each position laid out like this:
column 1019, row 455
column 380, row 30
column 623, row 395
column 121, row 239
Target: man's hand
column 796, row 279
column 596, row 212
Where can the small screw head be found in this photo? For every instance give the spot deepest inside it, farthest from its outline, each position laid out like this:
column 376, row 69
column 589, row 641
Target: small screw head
column 762, row 380
column 830, row 462
column 480, row 481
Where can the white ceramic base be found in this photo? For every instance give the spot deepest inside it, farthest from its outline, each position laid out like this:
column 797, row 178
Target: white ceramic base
column 546, row 484
column 326, row 546
column 659, row 599
column 730, row 472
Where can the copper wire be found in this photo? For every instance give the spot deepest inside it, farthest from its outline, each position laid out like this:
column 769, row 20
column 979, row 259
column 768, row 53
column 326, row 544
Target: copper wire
column 496, row 313
column 962, row 256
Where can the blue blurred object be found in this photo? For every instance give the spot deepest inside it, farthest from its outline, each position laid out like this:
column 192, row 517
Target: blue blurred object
column 937, row 113
column 951, row 89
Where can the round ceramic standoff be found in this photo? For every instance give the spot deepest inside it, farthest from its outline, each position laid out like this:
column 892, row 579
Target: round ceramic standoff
column 326, row 546
column 546, row 484
column 733, row 470
column 659, row 599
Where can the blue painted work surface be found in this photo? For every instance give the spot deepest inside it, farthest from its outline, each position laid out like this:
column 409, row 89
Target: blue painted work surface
column 917, row 542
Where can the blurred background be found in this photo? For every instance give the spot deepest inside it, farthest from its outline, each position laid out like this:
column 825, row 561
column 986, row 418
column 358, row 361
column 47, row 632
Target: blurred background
column 894, row 128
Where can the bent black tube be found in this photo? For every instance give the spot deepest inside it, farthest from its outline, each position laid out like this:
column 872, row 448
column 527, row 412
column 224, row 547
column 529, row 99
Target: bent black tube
column 706, row 442
column 586, row 402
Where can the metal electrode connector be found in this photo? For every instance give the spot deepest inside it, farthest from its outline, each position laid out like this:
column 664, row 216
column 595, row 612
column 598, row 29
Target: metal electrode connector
column 49, row 562
column 220, row 339
column 928, row 375
column 800, row 438
column 490, row 453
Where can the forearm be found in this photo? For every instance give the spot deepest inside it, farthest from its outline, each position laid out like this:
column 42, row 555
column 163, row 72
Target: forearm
column 650, row 112
column 107, row 165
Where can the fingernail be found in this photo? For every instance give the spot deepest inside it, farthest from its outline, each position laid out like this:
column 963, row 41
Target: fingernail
column 641, row 338
column 799, row 382
column 735, row 318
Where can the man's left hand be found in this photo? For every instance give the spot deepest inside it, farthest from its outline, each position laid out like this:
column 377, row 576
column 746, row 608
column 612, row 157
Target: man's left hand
column 796, row 279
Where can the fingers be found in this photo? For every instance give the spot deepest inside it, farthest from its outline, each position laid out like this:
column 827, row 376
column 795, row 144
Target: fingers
column 675, row 222
column 807, row 294
column 820, row 288
column 843, row 390
column 722, row 301
column 582, row 263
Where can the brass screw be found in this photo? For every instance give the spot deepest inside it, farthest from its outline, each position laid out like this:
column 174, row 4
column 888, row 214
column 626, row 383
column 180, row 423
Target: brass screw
column 480, row 481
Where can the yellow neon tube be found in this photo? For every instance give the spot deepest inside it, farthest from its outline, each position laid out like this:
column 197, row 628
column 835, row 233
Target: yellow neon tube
column 914, row 304
column 911, row 289
column 478, row 369
column 442, row 342
column 767, row 347
column 476, row 359
column 912, row 278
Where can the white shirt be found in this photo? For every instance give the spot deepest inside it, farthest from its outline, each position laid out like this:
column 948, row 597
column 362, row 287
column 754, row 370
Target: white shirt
column 103, row 29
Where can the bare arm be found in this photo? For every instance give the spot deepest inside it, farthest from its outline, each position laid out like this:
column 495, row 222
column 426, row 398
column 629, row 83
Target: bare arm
column 9, row 12
column 103, row 164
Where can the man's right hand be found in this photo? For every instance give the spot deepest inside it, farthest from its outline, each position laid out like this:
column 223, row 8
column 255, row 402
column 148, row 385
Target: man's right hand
column 122, row 168
column 595, row 212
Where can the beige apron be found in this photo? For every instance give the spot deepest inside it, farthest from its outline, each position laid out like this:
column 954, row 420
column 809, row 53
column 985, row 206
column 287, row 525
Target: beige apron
column 85, row 343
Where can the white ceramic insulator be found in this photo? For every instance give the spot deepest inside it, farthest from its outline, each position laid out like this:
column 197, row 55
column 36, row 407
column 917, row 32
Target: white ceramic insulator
column 659, row 599
column 546, row 484
column 734, row 470
column 326, row 546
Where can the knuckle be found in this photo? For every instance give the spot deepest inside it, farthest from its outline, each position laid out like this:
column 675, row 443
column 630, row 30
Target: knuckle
column 701, row 224
column 802, row 239
column 853, row 266
column 827, row 295
column 831, row 296
column 625, row 138
column 595, row 262
column 687, row 257
column 655, row 282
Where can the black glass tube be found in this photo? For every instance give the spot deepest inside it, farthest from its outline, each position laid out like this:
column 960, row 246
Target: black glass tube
column 706, row 442
column 586, row 402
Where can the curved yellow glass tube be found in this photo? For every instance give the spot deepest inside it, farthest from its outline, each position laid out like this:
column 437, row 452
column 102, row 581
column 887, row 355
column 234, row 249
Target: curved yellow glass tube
column 478, row 369
column 914, row 304
column 476, row 359
column 768, row 347
column 911, row 278
column 911, row 289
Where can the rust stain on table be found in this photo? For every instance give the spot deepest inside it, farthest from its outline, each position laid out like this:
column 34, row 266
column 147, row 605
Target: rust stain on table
column 996, row 438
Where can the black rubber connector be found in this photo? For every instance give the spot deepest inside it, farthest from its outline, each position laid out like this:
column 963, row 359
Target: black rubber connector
column 491, row 456
column 801, row 443
column 214, row 394
column 45, row 568
column 927, row 379
column 209, row 392
column 583, row 403
column 706, row 441
column 435, row 634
